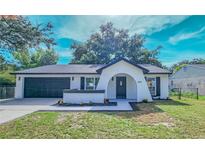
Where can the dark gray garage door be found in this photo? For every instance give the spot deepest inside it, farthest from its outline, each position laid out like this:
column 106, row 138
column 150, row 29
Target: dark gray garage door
column 45, row 87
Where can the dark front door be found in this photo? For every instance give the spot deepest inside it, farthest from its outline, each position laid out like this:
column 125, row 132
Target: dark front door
column 45, row 87
column 121, row 87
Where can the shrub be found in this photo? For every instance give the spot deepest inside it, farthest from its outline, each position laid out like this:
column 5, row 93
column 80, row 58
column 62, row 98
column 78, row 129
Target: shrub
column 144, row 101
column 106, row 101
column 90, row 102
column 60, row 101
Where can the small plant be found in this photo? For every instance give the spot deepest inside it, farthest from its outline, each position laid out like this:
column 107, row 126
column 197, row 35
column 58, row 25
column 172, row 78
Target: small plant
column 144, row 101
column 90, row 102
column 106, row 101
column 60, row 102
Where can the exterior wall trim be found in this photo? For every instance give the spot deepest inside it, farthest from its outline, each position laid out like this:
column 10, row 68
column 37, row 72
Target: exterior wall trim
column 54, row 73
column 83, row 91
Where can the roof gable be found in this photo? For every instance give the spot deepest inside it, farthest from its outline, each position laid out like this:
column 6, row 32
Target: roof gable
column 122, row 59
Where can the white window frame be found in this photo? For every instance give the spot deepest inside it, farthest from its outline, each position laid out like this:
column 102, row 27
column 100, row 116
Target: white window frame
column 85, row 84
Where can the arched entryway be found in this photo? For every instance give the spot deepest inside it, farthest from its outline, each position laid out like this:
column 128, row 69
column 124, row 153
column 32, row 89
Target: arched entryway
column 122, row 86
column 108, row 75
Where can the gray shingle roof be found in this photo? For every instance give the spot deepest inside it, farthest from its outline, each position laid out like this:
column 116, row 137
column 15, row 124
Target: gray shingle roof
column 86, row 69
column 63, row 69
column 190, row 71
column 201, row 66
column 154, row 69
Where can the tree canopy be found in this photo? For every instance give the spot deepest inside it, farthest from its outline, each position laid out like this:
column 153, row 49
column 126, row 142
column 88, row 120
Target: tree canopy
column 17, row 33
column 28, row 59
column 110, row 43
column 30, row 45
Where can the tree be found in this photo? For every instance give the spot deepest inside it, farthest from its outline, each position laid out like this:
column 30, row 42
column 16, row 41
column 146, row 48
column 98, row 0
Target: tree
column 17, row 33
column 47, row 57
column 28, row 59
column 180, row 64
column 2, row 60
column 111, row 43
column 5, row 68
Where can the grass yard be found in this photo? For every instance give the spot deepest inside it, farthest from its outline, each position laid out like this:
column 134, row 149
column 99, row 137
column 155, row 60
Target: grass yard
column 162, row 119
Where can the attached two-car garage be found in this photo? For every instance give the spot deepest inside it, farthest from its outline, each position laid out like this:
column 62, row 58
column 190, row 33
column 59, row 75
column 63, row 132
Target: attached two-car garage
column 45, row 87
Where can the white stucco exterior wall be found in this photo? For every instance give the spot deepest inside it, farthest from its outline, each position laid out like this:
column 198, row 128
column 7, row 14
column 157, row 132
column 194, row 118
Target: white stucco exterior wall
column 136, row 85
column 74, row 84
column 111, row 90
column 78, row 98
column 164, row 86
column 123, row 67
column 19, row 89
column 131, row 88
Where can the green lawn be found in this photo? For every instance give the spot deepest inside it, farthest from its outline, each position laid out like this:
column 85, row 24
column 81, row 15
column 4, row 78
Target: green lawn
column 162, row 119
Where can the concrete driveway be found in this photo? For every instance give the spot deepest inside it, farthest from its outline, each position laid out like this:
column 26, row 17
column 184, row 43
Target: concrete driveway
column 12, row 109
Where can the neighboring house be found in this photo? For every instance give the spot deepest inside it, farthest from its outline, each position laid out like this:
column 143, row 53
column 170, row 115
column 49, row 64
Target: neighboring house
column 189, row 77
column 119, row 79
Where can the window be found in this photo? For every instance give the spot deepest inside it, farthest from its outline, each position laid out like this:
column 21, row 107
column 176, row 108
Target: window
column 185, row 68
column 91, row 83
column 172, row 82
column 151, row 82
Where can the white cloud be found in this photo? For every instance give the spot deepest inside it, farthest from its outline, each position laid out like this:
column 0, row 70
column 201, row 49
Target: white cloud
column 186, row 35
column 171, row 57
column 65, row 53
column 80, row 27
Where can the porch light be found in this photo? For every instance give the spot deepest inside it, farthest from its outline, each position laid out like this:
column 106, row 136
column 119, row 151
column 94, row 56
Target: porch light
column 72, row 78
column 19, row 78
column 112, row 78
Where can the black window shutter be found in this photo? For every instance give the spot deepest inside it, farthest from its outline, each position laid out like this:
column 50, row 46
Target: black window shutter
column 157, row 86
column 82, row 81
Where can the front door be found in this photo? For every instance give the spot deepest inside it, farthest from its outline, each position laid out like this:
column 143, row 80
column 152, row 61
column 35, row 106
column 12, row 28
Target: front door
column 121, row 87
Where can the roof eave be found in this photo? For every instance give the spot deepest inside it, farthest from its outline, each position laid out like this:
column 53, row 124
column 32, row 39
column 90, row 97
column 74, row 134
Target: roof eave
column 18, row 73
column 158, row 73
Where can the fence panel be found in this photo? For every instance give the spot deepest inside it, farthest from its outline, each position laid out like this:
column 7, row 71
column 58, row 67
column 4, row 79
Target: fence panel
column 185, row 92
column 6, row 92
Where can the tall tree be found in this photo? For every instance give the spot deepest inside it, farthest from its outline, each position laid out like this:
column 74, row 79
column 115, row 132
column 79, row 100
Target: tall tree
column 17, row 33
column 110, row 43
column 28, row 59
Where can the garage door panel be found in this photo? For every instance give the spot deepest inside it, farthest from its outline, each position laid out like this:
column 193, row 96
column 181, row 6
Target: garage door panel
column 45, row 87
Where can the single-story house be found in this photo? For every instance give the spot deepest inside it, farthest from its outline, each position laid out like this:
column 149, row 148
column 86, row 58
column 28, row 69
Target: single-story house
column 189, row 78
column 120, row 79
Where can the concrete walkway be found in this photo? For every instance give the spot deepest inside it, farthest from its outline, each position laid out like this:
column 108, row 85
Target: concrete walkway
column 8, row 115
column 122, row 105
column 12, row 109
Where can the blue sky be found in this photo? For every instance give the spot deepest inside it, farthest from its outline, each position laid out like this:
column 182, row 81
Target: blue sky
column 182, row 37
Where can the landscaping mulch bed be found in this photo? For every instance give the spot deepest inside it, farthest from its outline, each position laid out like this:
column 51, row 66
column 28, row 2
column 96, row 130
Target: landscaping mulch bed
column 87, row 104
column 134, row 106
